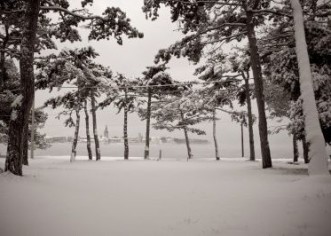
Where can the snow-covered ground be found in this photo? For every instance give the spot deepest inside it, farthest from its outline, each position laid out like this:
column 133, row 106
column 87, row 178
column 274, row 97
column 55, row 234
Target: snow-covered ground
column 168, row 197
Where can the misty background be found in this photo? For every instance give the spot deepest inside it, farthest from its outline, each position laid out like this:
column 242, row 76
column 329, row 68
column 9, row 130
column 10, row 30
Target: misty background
column 131, row 59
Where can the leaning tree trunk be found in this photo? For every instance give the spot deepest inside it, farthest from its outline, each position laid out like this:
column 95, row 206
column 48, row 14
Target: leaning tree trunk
column 257, row 73
column 250, row 121
column 189, row 151
column 187, row 140
column 148, row 123
column 305, row 148
column 88, row 136
column 295, row 148
column 215, row 136
column 95, row 128
column 318, row 164
column 20, row 113
column 125, row 128
column 75, row 140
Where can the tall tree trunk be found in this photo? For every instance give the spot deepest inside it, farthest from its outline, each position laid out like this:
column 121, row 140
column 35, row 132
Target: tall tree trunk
column 257, row 73
column 125, row 128
column 3, row 56
column 95, row 129
column 3, row 68
column 88, row 136
column 242, row 139
column 14, row 158
column 148, row 123
column 75, row 140
column 26, row 146
column 318, row 164
column 295, row 148
column 20, row 113
column 189, row 151
column 215, row 136
column 250, row 121
column 305, row 148
column 33, row 130
column 187, row 140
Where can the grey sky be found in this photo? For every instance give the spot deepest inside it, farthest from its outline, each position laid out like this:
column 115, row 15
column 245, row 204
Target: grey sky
column 131, row 59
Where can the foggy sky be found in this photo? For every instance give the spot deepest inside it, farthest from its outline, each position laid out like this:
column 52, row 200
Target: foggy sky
column 131, row 60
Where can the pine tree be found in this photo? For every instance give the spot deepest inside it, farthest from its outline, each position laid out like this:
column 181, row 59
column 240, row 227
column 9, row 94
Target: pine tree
column 125, row 101
column 240, row 63
column 318, row 164
column 113, row 23
column 72, row 104
column 181, row 110
column 215, row 22
column 221, row 74
column 23, row 102
column 157, row 82
column 280, row 50
column 76, row 67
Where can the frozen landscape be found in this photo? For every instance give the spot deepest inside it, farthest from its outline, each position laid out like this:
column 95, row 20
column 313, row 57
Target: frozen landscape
column 165, row 118
column 167, row 197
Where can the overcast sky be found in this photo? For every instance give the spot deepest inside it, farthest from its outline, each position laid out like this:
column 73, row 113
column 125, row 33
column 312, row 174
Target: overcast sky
column 131, row 59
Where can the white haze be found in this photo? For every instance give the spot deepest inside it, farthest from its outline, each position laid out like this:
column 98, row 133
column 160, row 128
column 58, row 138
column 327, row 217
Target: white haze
column 131, row 60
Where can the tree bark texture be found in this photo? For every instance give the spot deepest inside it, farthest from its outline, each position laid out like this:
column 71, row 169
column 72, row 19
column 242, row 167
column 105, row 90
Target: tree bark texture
column 148, row 123
column 125, row 128
column 305, row 148
column 5, row 40
column 26, row 146
column 33, row 130
column 295, row 148
column 95, row 128
column 20, row 113
column 217, row 156
column 257, row 73
column 318, row 164
column 189, row 151
column 250, row 121
column 3, row 68
column 75, row 140
column 88, row 136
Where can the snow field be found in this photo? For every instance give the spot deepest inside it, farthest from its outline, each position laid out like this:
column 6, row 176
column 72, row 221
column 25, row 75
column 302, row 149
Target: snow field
column 165, row 197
